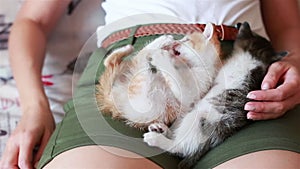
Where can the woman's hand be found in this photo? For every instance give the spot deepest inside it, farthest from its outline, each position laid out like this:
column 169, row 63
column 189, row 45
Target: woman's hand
column 280, row 87
column 33, row 131
column 280, row 90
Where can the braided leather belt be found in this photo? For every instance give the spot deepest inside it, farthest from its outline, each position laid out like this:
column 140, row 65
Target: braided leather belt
column 224, row 32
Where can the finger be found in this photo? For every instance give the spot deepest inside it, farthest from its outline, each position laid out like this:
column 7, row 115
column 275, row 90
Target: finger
column 275, row 72
column 10, row 155
column 262, row 116
column 26, row 153
column 41, row 148
column 271, row 108
column 282, row 92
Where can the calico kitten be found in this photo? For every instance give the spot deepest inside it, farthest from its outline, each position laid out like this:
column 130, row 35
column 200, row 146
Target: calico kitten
column 162, row 81
column 220, row 113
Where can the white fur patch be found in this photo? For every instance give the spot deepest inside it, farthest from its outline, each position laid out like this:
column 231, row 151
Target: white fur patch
column 233, row 73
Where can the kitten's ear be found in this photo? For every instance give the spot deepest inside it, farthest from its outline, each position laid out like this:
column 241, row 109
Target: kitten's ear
column 208, row 31
column 245, row 30
column 115, row 58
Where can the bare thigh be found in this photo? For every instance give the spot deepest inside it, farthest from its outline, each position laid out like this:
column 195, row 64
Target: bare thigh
column 100, row 157
column 110, row 157
column 268, row 159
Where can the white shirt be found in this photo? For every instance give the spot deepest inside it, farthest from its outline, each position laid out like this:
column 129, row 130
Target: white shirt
column 228, row 12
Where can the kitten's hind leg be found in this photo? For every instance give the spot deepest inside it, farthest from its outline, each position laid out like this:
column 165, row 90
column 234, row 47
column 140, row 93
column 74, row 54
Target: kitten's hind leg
column 193, row 131
column 116, row 56
column 183, row 139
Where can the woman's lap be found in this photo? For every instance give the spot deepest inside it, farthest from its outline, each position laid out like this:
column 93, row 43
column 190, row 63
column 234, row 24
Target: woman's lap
column 83, row 126
column 249, row 140
column 104, row 157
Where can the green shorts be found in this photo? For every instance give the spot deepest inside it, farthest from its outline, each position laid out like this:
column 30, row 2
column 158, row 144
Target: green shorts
column 84, row 125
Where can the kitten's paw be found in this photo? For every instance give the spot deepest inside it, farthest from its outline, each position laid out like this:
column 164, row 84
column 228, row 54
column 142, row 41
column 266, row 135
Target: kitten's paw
column 154, row 139
column 162, row 61
column 160, row 42
column 158, row 128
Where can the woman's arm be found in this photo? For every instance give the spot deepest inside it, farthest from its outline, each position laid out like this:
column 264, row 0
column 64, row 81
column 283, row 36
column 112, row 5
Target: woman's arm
column 280, row 87
column 282, row 22
column 27, row 43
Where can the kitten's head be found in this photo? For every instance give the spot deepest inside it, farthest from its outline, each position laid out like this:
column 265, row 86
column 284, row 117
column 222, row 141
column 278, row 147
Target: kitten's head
column 193, row 47
column 259, row 47
column 201, row 42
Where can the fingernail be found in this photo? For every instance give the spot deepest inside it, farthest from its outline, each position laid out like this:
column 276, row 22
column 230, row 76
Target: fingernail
column 265, row 86
column 251, row 96
column 249, row 107
column 249, row 117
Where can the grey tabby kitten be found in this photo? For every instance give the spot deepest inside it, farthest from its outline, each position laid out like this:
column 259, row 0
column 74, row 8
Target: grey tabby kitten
column 220, row 113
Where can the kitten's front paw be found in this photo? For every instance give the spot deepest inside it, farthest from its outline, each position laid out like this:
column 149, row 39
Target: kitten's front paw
column 160, row 41
column 162, row 61
column 158, row 128
column 153, row 138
